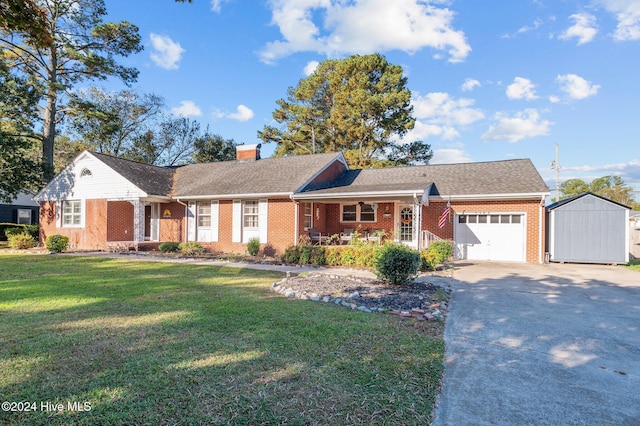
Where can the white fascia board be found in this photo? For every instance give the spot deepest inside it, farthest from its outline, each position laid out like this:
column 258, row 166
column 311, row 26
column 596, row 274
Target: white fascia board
column 232, row 196
column 487, row 197
column 372, row 194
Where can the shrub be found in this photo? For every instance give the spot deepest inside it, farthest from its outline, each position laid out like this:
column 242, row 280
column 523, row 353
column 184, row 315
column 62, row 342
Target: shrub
column 317, row 255
column 396, row 263
column 429, row 260
column 13, row 231
column 253, row 246
column 435, row 254
column 305, row 254
column 169, row 247
column 57, row 243
column 190, row 248
column 291, row 255
column 8, row 229
column 304, row 240
column 21, row 241
column 333, row 255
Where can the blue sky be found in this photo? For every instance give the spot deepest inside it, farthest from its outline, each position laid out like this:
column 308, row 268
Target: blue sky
column 491, row 80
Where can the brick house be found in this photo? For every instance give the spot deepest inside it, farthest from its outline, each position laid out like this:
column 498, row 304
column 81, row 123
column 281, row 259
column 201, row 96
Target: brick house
column 102, row 202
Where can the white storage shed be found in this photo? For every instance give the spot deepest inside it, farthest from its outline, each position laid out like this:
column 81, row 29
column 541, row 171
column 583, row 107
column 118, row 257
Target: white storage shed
column 588, row 228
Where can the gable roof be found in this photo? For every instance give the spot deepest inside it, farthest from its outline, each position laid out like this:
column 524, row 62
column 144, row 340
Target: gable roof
column 154, row 180
column 283, row 175
column 565, row 201
column 508, row 177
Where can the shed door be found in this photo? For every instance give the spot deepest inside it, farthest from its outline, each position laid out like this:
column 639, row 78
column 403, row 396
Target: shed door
column 494, row 236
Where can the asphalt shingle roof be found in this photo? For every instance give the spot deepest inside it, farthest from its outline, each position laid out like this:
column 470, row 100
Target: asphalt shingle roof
column 265, row 176
column 493, row 177
column 153, row 180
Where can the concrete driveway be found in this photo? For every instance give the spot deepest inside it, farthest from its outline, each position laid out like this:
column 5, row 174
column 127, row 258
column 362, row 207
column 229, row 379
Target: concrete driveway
column 542, row 345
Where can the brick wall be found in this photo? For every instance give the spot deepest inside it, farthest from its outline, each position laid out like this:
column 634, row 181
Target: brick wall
column 280, row 227
column 92, row 237
column 120, row 221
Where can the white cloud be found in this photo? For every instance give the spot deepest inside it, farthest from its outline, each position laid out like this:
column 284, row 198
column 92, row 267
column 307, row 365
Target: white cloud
column 525, row 124
column 243, row 113
column 576, row 87
column 521, row 88
column 166, row 53
column 439, row 115
column 350, row 26
column 536, row 24
column 216, row 5
column 627, row 13
column 470, row 84
column 187, row 109
column 584, row 28
column 449, row 156
column 310, row 68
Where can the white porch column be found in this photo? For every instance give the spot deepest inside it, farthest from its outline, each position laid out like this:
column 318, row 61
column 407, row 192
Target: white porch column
column 417, row 225
column 138, row 220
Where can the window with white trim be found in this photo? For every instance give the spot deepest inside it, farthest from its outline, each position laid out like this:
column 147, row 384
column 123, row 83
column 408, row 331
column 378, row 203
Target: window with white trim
column 308, row 215
column 204, row 214
column 24, row 216
column 251, row 214
column 361, row 212
column 71, row 213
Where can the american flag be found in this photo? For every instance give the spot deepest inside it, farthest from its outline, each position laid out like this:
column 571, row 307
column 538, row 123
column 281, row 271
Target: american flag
column 444, row 215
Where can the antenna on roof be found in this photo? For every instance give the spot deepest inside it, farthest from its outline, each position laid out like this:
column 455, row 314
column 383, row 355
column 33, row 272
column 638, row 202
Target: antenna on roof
column 555, row 165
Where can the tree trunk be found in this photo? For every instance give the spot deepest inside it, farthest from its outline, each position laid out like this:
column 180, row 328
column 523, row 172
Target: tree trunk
column 49, row 131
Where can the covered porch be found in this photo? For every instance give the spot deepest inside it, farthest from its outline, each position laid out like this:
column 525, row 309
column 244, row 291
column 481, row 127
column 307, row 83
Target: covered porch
column 345, row 221
column 135, row 224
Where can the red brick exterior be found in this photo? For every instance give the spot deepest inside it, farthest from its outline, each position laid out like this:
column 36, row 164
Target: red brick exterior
column 92, row 237
column 330, row 173
column 112, row 222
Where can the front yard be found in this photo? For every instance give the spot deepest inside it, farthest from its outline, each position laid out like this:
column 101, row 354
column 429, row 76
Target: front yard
column 104, row 341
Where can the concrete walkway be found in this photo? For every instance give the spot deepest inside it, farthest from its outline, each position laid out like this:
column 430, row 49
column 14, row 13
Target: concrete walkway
column 542, row 345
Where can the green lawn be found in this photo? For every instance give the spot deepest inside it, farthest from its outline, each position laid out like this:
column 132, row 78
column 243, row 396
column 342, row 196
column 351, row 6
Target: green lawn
column 634, row 264
column 158, row 343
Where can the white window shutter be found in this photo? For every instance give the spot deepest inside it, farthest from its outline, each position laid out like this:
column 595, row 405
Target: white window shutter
column 58, row 208
column 215, row 214
column 191, row 221
column 263, row 207
column 236, row 222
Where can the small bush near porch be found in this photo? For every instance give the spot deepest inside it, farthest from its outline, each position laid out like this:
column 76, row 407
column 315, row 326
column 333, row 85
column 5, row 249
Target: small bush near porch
column 162, row 343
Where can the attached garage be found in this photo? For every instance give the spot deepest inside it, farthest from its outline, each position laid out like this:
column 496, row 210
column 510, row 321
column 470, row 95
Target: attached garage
column 490, row 236
column 588, row 228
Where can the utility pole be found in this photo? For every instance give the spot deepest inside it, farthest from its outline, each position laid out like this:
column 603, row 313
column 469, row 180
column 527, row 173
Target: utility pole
column 555, row 165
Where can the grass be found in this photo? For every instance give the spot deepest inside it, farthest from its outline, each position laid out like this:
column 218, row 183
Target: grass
column 634, row 264
column 162, row 344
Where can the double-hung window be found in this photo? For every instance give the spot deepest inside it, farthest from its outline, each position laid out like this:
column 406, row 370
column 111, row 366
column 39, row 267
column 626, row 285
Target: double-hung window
column 251, row 214
column 358, row 213
column 308, row 216
column 72, row 213
column 204, row 214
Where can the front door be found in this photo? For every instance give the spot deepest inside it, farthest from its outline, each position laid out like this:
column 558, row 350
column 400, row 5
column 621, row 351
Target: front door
column 405, row 227
column 152, row 222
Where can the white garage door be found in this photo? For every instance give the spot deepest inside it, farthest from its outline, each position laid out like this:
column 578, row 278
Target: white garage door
column 493, row 236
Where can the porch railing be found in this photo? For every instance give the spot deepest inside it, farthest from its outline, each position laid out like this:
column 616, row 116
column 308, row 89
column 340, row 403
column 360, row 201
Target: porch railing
column 428, row 238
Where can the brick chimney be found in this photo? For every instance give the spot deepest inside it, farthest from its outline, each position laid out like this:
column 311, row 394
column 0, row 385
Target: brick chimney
column 248, row 152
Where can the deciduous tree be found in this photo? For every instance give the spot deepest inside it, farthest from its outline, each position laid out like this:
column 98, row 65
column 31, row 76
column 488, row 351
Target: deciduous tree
column 210, row 148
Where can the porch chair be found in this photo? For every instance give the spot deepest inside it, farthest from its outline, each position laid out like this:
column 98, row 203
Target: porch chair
column 346, row 236
column 317, row 237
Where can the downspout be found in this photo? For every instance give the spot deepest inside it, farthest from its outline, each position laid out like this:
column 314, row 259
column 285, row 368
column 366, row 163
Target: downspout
column 541, row 241
column 295, row 222
column 186, row 217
